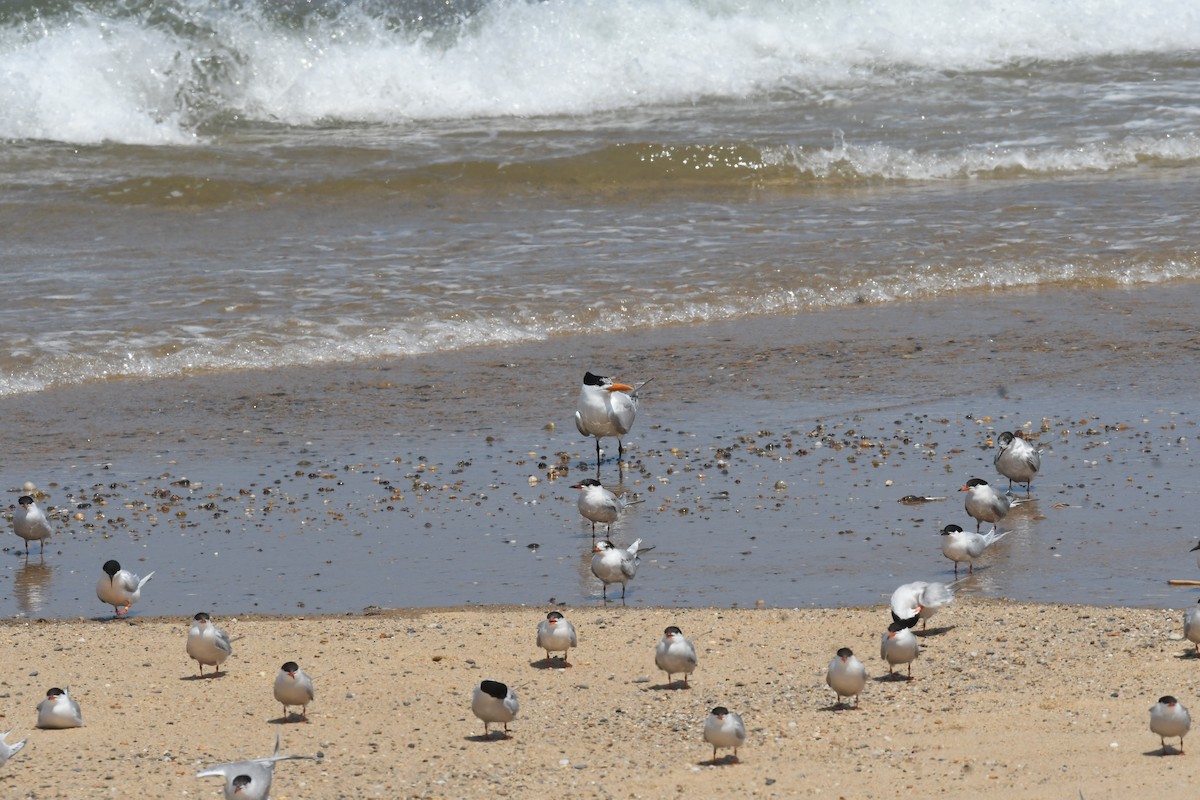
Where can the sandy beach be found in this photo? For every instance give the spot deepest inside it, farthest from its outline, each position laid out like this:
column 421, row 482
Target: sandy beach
column 1007, row 700
column 302, row 295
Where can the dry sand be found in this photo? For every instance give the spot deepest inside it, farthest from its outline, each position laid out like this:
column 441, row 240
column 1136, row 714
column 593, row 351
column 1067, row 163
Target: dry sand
column 1007, row 700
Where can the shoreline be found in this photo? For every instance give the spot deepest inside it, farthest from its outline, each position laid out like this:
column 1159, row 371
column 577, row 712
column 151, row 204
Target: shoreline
column 771, row 455
column 1009, row 699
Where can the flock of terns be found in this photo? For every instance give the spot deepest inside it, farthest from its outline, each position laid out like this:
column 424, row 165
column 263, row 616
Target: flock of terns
column 606, row 408
column 206, row 643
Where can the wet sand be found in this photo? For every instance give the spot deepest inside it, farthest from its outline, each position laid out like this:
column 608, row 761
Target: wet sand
column 770, row 455
column 1007, row 700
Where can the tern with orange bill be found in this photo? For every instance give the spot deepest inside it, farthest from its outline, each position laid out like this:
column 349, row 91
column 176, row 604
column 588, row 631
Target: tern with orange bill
column 605, row 408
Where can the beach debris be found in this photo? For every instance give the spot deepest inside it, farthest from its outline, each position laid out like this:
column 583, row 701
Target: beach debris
column 913, row 499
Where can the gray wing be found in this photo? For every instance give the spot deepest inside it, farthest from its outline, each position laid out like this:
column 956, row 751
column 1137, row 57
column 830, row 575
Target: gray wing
column 623, row 410
column 127, row 581
column 221, row 640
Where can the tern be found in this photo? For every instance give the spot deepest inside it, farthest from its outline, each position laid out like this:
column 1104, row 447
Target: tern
column 30, row 523
column 208, row 644
column 723, row 728
column 59, row 710
column 1017, row 460
column 493, row 701
column 919, row 600
column 613, row 565
column 675, row 655
column 846, row 676
column 1168, row 717
column 605, row 408
column 1191, row 626
column 293, row 687
column 1194, row 549
column 984, row 503
column 120, row 588
column 959, row 545
column 898, row 646
column 251, row 780
column 7, row 750
column 598, row 504
column 556, row 635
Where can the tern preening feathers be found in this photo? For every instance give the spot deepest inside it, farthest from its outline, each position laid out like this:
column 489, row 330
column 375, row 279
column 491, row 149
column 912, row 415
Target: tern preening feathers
column 611, row 564
column 293, row 687
column 605, row 408
column 919, row 600
column 846, row 675
column 30, row 523
column 1168, row 718
column 120, row 588
column 556, row 635
column 208, row 644
column 1017, row 460
column 723, row 728
column 251, row 780
column 959, row 545
column 493, row 701
column 675, row 655
column 59, row 710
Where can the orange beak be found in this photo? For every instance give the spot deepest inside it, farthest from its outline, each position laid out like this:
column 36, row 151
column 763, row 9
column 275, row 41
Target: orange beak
column 619, row 387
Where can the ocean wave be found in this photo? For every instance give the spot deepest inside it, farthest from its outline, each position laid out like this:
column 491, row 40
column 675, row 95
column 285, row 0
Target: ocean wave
column 172, row 72
column 646, row 167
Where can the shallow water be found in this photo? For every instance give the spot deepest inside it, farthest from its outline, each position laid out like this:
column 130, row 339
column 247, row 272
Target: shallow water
column 359, row 254
column 768, row 474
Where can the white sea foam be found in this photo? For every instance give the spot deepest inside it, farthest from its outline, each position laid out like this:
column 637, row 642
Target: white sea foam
column 98, row 72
